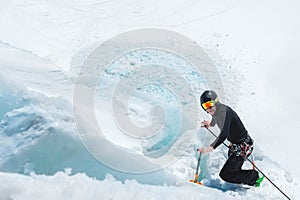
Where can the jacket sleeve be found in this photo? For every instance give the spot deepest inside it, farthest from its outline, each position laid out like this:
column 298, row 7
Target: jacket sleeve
column 213, row 122
column 225, row 119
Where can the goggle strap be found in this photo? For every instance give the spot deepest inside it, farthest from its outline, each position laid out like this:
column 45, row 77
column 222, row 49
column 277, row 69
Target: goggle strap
column 216, row 100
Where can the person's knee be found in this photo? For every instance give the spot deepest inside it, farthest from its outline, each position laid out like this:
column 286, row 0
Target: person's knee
column 224, row 175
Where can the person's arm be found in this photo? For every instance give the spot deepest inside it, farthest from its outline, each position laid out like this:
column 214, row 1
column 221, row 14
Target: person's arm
column 213, row 121
column 226, row 118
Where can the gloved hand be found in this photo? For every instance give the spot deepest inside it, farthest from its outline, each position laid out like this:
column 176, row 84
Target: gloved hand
column 205, row 123
column 205, row 150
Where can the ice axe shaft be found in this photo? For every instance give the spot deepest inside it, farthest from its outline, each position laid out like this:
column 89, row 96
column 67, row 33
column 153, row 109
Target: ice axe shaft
column 197, row 171
column 197, row 168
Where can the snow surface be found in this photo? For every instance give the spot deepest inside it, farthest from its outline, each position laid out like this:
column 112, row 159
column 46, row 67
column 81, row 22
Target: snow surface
column 254, row 45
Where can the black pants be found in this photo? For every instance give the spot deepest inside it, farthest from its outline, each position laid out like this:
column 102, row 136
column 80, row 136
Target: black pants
column 232, row 172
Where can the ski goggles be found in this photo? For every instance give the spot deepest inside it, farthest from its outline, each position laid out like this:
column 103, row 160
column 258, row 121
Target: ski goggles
column 209, row 104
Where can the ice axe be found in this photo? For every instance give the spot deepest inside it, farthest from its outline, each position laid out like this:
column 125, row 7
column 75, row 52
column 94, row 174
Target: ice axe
column 197, row 171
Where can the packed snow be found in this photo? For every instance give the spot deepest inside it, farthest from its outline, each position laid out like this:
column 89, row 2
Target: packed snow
column 43, row 45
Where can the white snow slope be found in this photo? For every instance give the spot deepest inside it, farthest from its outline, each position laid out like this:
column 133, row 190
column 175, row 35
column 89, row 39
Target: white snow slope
column 253, row 44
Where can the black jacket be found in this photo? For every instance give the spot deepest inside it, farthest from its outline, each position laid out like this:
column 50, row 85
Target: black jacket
column 230, row 125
